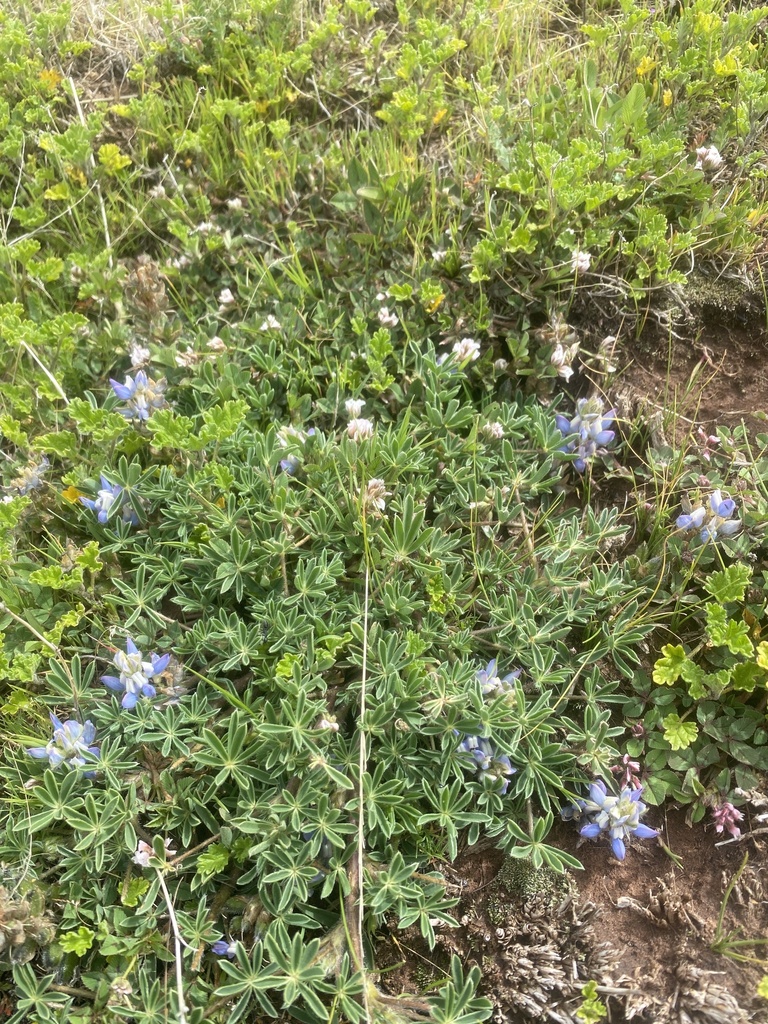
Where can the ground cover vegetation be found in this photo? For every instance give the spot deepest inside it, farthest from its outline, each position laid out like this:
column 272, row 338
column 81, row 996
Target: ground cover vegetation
column 324, row 551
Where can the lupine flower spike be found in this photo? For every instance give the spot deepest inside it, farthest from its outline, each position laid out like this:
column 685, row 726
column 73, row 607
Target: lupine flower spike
column 70, row 744
column 488, row 762
column 108, row 495
column 141, row 394
column 712, row 519
column 590, row 425
column 618, row 816
column 135, row 674
column 490, row 682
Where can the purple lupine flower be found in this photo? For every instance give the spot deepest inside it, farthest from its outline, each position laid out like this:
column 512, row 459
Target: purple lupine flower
column 619, row 816
column 109, row 495
column 725, row 816
column 223, row 948
column 135, row 674
column 141, row 394
column 496, row 766
column 286, row 436
column 590, row 425
column 712, row 519
column 491, row 684
column 70, row 743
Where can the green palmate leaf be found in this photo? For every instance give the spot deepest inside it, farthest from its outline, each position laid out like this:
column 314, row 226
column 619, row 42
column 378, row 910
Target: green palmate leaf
column 88, row 558
column 669, row 667
column 64, row 443
column 679, row 734
column 111, row 159
column 213, row 860
column 78, row 942
column 222, row 421
column 53, row 576
column 746, row 676
column 103, row 425
column 730, row 584
column 725, row 632
column 169, row 430
column 133, row 892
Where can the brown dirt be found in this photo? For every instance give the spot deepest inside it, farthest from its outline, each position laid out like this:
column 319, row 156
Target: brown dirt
column 703, row 362
column 643, row 929
column 719, row 377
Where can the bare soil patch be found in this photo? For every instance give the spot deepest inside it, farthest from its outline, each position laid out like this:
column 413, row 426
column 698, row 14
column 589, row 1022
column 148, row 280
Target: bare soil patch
column 643, row 929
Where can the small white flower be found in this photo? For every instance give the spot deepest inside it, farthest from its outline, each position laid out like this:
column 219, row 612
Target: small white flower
column 157, row 192
column 495, row 430
column 290, row 433
column 216, row 344
column 235, row 204
column 708, row 158
column 580, row 262
column 7, row 499
column 226, row 298
column 181, row 262
column 381, row 296
column 359, row 429
column 206, row 227
column 376, row 494
column 187, row 358
column 142, row 855
column 605, row 353
column 466, row 350
column 354, row 407
column 328, row 724
column 271, row 324
column 140, row 355
column 144, row 852
column 438, row 255
column 562, row 357
column 500, row 365
column 387, row 319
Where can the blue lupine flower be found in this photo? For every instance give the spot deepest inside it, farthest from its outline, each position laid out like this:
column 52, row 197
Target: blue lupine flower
column 31, row 477
column 70, row 743
column 285, row 436
column 135, row 674
column 712, row 520
column 141, row 394
column 108, row 495
column 619, row 816
column 591, row 425
column 490, row 683
column 223, row 948
column 487, row 760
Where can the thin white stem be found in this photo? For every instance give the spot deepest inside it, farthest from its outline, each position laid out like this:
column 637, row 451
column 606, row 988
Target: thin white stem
column 177, row 942
column 92, row 162
column 33, row 355
column 363, row 759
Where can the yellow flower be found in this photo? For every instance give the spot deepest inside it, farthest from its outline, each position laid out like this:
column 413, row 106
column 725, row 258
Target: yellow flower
column 71, row 494
column 666, row 99
column 645, row 67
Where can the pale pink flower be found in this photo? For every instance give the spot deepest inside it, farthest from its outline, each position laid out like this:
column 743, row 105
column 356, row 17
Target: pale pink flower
column 359, row 429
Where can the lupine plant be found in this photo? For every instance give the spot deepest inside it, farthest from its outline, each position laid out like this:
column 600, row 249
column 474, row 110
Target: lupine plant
column 329, row 489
